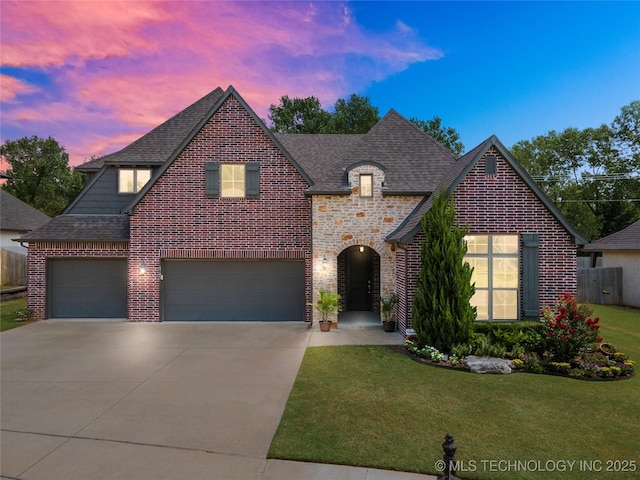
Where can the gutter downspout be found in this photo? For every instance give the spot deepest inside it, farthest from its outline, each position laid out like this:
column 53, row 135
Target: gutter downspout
column 307, row 307
column 406, row 287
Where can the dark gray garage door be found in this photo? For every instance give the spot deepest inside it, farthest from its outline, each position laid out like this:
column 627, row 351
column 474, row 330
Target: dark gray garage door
column 233, row 290
column 87, row 288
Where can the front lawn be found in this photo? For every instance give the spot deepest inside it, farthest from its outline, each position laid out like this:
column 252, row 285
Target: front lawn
column 373, row 406
column 8, row 311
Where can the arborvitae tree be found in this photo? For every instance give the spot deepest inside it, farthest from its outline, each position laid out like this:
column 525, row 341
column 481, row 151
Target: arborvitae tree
column 442, row 313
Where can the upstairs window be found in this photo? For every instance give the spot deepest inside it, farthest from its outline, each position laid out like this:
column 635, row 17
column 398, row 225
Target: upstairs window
column 232, row 180
column 132, row 180
column 366, row 185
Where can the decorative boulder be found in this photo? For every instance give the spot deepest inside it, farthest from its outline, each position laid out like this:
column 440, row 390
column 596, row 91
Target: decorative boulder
column 488, row 364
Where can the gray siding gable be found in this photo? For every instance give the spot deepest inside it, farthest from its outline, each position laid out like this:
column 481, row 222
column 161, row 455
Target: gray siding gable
column 100, row 197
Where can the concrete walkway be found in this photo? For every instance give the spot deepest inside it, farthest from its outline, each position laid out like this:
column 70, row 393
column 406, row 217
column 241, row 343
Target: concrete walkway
column 118, row 400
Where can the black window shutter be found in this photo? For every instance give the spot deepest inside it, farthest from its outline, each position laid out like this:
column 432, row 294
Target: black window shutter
column 212, row 171
column 252, row 179
column 530, row 276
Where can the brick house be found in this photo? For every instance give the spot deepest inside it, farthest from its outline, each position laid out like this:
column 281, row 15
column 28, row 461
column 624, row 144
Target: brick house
column 211, row 216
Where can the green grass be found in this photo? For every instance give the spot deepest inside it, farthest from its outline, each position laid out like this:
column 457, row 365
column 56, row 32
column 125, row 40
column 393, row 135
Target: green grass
column 7, row 313
column 373, row 406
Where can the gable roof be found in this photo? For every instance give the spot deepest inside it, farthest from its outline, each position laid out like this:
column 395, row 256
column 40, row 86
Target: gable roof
column 156, row 146
column 194, row 131
column 18, row 216
column 626, row 239
column 82, row 228
column 414, row 163
column 407, row 229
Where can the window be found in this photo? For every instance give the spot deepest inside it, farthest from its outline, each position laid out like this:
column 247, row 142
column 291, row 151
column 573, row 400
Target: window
column 132, row 180
column 366, row 185
column 495, row 260
column 232, row 180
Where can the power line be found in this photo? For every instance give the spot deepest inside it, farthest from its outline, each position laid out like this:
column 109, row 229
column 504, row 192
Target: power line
column 599, row 201
column 586, row 176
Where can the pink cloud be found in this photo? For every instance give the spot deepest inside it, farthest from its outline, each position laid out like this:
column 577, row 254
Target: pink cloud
column 118, row 67
column 44, row 33
column 10, row 87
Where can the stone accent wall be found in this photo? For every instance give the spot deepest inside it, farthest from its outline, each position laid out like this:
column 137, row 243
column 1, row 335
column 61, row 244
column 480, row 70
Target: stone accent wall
column 341, row 221
column 503, row 203
column 176, row 219
column 38, row 254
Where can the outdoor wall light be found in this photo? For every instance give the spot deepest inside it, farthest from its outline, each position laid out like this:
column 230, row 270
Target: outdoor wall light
column 143, row 269
column 361, row 249
column 324, row 262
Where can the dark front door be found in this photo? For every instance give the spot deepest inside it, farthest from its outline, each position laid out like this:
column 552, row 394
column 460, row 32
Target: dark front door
column 359, row 278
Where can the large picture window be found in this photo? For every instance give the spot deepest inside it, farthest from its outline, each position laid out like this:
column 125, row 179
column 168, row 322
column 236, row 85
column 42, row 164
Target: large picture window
column 495, row 262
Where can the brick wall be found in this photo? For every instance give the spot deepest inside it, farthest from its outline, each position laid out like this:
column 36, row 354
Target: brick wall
column 39, row 252
column 503, row 203
column 176, row 219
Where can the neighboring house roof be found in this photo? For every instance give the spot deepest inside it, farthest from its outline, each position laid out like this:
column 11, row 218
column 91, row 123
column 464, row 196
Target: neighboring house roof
column 414, row 163
column 159, row 144
column 18, row 216
column 407, row 229
column 82, row 228
column 627, row 239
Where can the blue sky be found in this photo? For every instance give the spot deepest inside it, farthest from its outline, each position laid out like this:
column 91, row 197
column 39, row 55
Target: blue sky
column 97, row 75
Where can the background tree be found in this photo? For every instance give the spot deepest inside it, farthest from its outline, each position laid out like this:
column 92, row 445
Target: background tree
column 353, row 115
column 591, row 174
column 446, row 136
column 39, row 174
column 442, row 314
column 299, row 115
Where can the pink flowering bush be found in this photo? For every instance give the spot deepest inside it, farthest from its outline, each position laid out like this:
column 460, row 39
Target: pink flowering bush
column 567, row 329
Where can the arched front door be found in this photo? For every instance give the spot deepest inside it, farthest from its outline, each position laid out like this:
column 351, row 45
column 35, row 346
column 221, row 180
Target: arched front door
column 359, row 278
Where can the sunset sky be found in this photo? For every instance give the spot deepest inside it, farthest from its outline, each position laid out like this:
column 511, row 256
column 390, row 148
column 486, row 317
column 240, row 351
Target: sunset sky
column 97, row 75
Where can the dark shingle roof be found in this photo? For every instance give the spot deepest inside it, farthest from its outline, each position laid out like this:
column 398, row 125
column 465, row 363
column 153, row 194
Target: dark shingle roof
column 82, row 228
column 414, row 163
column 157, row 146
column 627, row 239
column 407, row 229
column 19, row 216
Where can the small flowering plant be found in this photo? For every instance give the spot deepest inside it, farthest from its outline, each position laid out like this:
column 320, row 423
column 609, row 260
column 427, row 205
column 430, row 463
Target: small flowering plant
column 432, row 353
column 567, row 329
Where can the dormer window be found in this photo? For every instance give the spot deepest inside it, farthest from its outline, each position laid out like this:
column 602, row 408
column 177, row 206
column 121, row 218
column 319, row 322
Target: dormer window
column 366, row 185
column 132, row 180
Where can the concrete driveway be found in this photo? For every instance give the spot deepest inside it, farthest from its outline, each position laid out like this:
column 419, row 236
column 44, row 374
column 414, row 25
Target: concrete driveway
column 118, row 400
column 123, row 400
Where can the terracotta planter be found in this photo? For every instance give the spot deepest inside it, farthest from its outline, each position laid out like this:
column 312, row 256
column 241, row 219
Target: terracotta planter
column 325, row 326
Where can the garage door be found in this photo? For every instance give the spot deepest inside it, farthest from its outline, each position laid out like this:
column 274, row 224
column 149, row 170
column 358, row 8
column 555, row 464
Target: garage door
column 87, row 288
column 233, row 290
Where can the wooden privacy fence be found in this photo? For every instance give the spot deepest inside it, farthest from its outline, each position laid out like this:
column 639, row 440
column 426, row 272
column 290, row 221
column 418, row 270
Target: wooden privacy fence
column 13, row 268
column 600, row 285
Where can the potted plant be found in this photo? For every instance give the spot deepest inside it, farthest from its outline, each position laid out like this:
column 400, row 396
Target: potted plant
column 387, row 308
column 327, row 305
